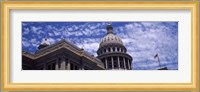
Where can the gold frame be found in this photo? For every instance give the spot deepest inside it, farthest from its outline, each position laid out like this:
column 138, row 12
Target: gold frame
column 5, row 39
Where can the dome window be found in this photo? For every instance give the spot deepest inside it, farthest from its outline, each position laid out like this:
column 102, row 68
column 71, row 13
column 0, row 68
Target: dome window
column 117, row 49
column 104, row 50
column 113, row 49
column 108, row 49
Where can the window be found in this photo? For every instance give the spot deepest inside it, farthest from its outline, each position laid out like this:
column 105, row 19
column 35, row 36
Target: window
column 75, row 67
column 113, row 49
column 117, row 49
column 108, row 49
column 49, row 67
column 53, row 66
column 115, row 62
column 103, row 60
column 71, row 66
column 110, row 65
column 104, row 50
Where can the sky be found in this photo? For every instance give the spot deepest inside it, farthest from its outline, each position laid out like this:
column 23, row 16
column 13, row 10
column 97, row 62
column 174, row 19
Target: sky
column 143, row 40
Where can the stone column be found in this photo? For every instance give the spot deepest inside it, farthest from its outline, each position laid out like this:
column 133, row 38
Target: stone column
column 128, row 64
column 118, row 62
column 57, row 64
column 68, row 65
column 106, row 63
column 106, row 49
column 62, row 63
column 124, row 62
column 112, row 62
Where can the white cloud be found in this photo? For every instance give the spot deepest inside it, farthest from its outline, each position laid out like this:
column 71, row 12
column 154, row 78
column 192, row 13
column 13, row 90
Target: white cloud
column 25, row 44
column 51, row 40
column 143, row 43
column 56, row 33
column 50, row 34
column 26, row 31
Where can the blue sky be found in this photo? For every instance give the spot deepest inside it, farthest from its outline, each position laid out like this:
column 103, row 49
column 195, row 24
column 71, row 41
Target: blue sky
column 143, row 40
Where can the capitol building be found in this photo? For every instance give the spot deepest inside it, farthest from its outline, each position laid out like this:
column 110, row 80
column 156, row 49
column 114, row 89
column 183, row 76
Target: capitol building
column 63, row 55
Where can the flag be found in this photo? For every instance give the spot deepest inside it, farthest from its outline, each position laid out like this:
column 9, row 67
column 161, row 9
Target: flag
column 156, row 55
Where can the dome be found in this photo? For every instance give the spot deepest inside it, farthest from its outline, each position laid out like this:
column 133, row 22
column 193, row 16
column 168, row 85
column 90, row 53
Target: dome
column 110, row 38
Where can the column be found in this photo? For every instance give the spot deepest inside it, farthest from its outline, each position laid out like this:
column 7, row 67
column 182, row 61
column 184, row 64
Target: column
column 128, row 64
column 124, row 62
column 106, row 49
column 57, row 64
column 62, row 63
column 118, row 62
column 112, row 62
column 106, row 63
column 68, row 65
column 116, row 49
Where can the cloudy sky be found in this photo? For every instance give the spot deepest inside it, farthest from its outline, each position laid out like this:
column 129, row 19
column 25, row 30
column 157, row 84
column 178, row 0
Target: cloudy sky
column 143, row 40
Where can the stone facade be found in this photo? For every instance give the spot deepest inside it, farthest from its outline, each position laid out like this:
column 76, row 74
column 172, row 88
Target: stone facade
column 64, row 55
column 60, row 56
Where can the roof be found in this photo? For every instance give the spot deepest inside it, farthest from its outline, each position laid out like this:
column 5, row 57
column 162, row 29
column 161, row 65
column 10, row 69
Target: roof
column 63, row 44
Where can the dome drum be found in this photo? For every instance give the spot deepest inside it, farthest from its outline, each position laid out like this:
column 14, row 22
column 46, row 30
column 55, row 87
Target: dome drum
column 115, row 54
column 119, row 62
column 111, row 48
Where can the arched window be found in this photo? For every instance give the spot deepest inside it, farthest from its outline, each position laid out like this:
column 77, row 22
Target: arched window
column 109, row 49
column 113, row 49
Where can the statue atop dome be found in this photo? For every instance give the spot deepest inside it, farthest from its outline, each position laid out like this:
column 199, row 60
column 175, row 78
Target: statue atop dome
column 109, row 28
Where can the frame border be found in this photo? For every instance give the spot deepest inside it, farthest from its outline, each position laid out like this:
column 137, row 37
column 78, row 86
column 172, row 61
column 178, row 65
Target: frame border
column 5, row 39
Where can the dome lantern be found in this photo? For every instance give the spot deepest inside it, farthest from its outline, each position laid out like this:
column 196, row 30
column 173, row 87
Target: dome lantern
column 109, row 28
